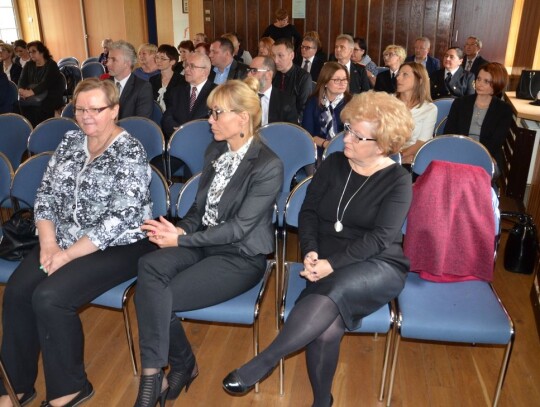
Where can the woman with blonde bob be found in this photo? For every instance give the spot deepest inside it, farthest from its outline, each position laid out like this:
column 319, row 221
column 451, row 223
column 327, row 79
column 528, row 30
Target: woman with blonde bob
column 350, row 237
column 217, row 251
column 147, row 60
column 393, row 56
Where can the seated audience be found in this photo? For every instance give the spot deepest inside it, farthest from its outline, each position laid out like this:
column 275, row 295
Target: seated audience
column 147, row 62
column 290, row 78
column 323, row 109
column 184, row 49
column 217, row 251
column 484, row 116
column 199, row 37
column 105, row 54
column 421, row 55
column 473, row 60
column 394, row 56
column 277, row 106
column 413, row 90
column 22, row 53
column 353, row 261
column 203, row 48
column 11, row 68
column 282, row 29
column 358, row 78
column 360, row 56
column 451, row 81
column 240, row 54
column 265, row 47
column 41, row 86
column 309, row 59
column 166, row 60
column 135, row 93
column 187, row 101
column 88, row 210
column 224, row 65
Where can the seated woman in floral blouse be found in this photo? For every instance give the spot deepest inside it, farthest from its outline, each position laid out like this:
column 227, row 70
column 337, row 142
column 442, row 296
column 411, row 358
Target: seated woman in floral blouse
column 93, row 198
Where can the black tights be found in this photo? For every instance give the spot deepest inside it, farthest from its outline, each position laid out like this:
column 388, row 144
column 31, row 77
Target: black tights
column 315, row 323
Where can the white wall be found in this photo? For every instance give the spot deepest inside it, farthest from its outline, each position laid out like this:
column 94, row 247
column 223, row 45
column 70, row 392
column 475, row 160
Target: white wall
column 180, row 23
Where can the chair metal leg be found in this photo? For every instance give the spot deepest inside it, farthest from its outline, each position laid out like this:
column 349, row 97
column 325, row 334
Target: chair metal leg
column 129, row 335
column 504, row 367
column 389, row 338
column 397, row 340
column 256, row 344
column 7, row 384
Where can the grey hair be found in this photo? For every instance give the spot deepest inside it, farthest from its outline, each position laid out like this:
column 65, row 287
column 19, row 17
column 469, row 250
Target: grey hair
column 347, row 38
column 127, row 49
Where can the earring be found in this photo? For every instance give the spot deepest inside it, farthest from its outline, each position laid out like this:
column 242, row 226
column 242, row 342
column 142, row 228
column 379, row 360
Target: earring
column 242, row 135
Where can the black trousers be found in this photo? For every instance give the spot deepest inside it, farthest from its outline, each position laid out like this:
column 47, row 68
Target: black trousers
column 182, row 279
column 40, row 312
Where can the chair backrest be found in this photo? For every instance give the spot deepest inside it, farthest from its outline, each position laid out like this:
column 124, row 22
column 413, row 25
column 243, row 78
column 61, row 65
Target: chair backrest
column 294, row 202
column 147, row 132
column 13, row 96
column 14, row 137
column 92, row 70
column 6, row 175
column 88, row 60
column 68, row 112
column 439, row 129
column 443, row 108
column 189, row 144
column 337, row 144
column 73, row 76
column 48, row 134
column 159, row 192
column 187, row 195
column 68, row 61
column 157, row 113
column 27, row 178
column 457, row 149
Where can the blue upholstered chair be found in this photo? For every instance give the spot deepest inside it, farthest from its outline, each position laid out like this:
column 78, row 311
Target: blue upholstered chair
column 68, row 61
column 157, row 113
column 48, row 134
column 379, row 322
column 68, row 112
column 92, row 70
column 88, row 60
column 14, row 137
column 443, row 108
column 187, row 195
column 147, row 132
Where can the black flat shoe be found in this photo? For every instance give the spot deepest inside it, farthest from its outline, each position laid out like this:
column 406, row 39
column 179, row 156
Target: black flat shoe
column 150, row 392
column 234, row 385
column 27, row 398
column 85, row 394
column 178, row 380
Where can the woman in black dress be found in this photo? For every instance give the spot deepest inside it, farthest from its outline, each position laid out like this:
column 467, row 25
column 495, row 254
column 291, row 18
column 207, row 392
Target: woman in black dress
column 350, row 236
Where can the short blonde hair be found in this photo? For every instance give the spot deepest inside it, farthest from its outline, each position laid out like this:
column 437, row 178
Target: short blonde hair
column 241, row 97
column 151, row 48
column 391, row 121
column 398, row 50
column 106, row 86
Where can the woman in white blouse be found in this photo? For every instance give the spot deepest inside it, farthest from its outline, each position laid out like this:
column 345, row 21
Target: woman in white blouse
column 413, row 90
column 88, row 210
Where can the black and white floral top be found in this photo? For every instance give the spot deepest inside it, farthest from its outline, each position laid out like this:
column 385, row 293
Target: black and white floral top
column 106, row 200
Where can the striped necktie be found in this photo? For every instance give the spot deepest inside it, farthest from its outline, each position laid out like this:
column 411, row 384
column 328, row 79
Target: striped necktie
column 192, row 98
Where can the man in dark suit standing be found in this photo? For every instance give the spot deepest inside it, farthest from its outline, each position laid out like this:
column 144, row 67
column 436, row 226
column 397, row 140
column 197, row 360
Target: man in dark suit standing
column 421, row 55
column 136, row 97
column 309, row 60
column 359, row 81
column 277, row 106
column 188, row 99
column 473, row 60
column 224, row 65
column 451, row 81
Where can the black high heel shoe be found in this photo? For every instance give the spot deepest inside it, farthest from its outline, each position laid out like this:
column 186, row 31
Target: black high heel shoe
column 150, row 392
column 234, row 385
column 179, row 379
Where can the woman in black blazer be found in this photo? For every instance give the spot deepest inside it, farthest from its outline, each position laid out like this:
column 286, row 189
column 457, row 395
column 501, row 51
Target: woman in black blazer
column 217, row 251
column 394, row 56
column 484, row 116
column 166, row 61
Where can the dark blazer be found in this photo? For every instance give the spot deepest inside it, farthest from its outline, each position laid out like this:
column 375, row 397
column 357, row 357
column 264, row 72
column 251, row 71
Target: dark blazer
column 15, row 71
column 177, row 112
column 311, row 121
column 246, row 206
column 316, row 65
column 432, row 64
column 461, row 84
column 298, row 83
column 282, row 107
column 136, row 98
column 475, row 68
column 155, row 81
column 494, row 128
column 385, row 83
column 359, row 81
column 238, row 71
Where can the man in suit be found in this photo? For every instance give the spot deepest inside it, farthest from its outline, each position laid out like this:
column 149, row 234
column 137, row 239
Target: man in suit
column 290, row 78
column 421, row 55
column 136, row 98
column 277, row 106
column 359, row 81
column 182, row 107
column 224, row 65
column 309, row 60
column 451, row 81
column 473, row 60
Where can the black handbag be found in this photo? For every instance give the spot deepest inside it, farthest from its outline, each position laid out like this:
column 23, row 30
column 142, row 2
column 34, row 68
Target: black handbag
column 18, row 235
column 522, row 244
column 529, row 85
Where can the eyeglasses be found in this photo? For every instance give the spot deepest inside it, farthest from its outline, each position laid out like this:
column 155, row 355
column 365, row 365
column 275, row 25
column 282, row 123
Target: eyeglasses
column 305, row 47
column 255, row 70
column 92, row 111
column 338, row 81
column 357, row 137
column 389, row 55
column 162, row 59
column 214, row 113
column 191, row 66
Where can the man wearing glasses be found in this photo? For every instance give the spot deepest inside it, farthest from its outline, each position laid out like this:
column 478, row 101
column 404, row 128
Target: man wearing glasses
column 359, row 81
column 308, row 59
column 277, row 106
column 188, row 100
column 421, row 55
column 473, row 60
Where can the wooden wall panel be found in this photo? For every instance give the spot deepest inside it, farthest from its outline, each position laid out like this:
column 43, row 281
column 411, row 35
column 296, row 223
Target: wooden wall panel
column 444, row 28
column 251, row 38
column 323, row 26
column 101, row 25
column 164, row 18
column 29, row 20
column 388, row 19
column 403, row 25
column 136, row 27
column 528, row 36
column 375, row 31
column 348, row 17
column 362, row 22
